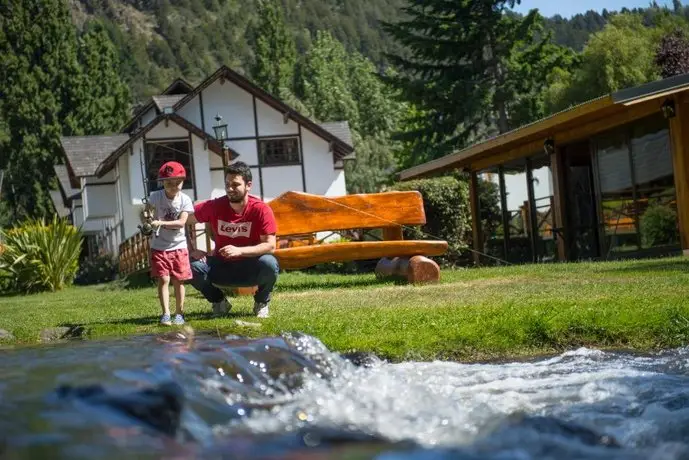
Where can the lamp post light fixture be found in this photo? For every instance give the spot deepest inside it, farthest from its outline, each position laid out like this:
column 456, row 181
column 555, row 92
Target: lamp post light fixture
column 220, row 130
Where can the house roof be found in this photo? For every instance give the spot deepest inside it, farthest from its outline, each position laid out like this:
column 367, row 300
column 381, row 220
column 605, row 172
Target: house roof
column 65, row 185
column 179, row 86
column 85, row 153
column 341, row 148
column 602, row 106
column 59, row 203
column 166, row 100
column 109, row 161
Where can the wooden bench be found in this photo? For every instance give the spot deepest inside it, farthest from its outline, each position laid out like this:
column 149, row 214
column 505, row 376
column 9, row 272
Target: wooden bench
column 300, row 216
column 300, row 213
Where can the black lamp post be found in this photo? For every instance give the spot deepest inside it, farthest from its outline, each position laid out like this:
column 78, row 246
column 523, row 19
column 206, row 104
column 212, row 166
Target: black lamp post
column 221, row 135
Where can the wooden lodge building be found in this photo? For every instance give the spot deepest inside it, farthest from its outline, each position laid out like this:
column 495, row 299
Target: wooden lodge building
column 605, row 179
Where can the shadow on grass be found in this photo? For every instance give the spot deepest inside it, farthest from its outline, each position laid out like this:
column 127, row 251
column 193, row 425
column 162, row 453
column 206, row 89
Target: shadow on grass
column 155, row 319
column 319, row 283
column 651, row 265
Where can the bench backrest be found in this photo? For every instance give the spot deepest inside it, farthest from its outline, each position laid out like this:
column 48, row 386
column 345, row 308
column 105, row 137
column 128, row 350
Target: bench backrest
column 300, row 213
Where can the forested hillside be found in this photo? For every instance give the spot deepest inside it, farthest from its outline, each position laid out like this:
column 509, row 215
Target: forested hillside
column 415, row 79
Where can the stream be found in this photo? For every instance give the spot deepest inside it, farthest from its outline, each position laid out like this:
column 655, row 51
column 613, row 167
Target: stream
column 184, row 395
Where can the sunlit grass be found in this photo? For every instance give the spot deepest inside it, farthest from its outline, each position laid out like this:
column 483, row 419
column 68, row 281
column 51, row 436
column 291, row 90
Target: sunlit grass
column 471, row 315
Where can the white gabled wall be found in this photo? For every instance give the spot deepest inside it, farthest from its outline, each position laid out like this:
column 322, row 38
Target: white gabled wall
column 192, row 111
column 202, row 168
column 233, row 104
column 247, row 151
column 280, row 179
column 271, row 121
column 98, row 196
column 171, row 131
column 321, row 176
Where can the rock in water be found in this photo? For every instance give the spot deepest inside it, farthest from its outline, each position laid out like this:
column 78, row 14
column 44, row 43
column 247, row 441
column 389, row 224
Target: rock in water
column 159, row 407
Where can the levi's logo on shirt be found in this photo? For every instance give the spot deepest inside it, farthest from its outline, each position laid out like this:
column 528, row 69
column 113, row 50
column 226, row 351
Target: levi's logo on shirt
column 234, row 230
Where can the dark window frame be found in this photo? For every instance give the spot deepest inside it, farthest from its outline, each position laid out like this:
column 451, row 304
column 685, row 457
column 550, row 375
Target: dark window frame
column 158, row 151
column 277, row 152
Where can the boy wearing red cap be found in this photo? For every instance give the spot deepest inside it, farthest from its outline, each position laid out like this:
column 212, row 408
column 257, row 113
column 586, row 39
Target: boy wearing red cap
column 169, row 253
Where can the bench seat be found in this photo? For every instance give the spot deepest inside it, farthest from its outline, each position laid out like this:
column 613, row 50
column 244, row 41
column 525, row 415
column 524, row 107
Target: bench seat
column 307, row 256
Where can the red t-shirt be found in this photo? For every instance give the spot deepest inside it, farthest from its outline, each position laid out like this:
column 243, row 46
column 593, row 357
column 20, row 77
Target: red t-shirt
column 228, row 227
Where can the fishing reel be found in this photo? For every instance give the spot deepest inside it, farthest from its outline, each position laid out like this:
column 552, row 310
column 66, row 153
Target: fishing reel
column 146, row 227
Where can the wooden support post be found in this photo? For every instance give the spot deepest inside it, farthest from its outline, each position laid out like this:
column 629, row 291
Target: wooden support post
column 557, row 168
column 679, row 133
column 475, row 217
column 393, row 233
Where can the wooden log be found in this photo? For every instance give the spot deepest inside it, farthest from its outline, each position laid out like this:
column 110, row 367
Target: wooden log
column 307, row 256
column 302, row 213
column 393, row 233
column 415, row 269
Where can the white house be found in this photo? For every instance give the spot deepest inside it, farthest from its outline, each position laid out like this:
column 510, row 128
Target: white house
column 285, row 150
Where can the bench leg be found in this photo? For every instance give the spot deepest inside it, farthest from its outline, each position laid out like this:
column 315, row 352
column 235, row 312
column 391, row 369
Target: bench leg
column 416, row 269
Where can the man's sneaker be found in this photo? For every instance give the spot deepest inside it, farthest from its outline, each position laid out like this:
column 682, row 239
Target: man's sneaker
column 165, row 320
column 221, row 308
column 261, row 309
column 179, row 320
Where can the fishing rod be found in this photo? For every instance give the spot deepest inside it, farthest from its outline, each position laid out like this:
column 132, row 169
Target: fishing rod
column 147, row 214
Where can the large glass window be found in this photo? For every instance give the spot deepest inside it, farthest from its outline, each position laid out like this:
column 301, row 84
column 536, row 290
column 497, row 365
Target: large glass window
column 655, row 184
column 636, row 187
column 159, row 152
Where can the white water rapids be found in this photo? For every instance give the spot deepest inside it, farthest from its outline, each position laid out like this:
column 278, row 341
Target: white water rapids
column 244, row 398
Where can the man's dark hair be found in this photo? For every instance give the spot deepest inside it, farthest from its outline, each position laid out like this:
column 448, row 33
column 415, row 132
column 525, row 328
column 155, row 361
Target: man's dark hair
column 239, row 169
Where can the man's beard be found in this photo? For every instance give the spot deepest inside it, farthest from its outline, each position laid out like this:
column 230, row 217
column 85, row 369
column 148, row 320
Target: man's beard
column 237, row 198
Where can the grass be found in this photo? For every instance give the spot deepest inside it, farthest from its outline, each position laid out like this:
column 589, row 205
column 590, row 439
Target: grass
column 471, row 315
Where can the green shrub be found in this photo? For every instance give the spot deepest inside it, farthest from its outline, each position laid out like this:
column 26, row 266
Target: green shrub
column 98, row 269
column 658, row 226
column 38, row 257
column 448, row 215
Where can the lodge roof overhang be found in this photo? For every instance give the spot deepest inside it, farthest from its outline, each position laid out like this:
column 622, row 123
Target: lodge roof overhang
column 213, row 144
column 575, row 123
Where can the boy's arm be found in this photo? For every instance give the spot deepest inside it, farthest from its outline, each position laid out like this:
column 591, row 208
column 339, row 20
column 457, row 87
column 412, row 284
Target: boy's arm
column 178, row 223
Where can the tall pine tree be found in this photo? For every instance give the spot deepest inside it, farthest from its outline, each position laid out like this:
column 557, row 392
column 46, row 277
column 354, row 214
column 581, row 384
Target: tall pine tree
column 275, row 50
column 471, row 68
column 46, row 94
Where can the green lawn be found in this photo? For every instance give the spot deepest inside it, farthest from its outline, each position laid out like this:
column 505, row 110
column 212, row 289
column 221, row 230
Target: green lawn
column 471, row 315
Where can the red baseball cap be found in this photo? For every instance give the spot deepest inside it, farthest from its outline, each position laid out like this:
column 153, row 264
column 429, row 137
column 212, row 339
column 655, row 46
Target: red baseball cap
column 171, row 170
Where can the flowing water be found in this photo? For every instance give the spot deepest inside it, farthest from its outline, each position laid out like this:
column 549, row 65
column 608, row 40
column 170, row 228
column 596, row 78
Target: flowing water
column 172, row 396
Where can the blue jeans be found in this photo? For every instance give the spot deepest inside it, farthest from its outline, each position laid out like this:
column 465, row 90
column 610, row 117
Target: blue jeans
column 259, row 271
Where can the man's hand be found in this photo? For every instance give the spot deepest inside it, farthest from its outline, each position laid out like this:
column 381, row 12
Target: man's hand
column 230, row 251
column 197, row 254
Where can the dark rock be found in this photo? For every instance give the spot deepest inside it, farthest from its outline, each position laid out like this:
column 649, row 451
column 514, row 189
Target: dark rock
column 361, row 358
column 159, row 407
column 52, row 334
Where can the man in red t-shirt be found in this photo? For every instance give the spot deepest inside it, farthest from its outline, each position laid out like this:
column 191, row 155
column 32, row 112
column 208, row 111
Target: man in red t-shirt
column 244, row 231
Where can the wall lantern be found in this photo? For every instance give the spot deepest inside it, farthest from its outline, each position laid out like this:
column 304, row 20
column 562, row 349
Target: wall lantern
column 668, row 108
column 220, row 130
column 549, row 146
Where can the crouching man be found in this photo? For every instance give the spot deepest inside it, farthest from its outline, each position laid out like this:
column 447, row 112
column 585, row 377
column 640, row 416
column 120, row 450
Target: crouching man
column 244, row 231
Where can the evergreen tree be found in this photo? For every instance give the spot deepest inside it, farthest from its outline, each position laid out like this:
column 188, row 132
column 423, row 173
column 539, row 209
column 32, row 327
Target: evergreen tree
column 38, row 45
column 336, row 85
column 275, row 50
column 47, row 93
column 107, row 107
column 472, row 69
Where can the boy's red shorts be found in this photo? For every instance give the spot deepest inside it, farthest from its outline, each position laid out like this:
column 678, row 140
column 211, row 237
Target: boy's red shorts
column 174, row 264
